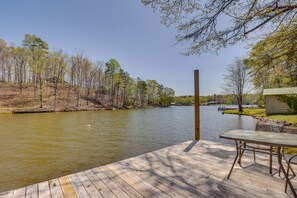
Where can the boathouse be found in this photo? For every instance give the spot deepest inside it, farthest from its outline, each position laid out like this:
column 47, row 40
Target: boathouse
column 273, row 104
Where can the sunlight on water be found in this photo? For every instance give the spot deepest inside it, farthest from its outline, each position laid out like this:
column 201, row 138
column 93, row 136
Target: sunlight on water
column 37, row 147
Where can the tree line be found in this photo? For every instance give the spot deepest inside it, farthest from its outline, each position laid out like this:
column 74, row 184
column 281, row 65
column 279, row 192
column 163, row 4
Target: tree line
column 224, row 99
column 106, row 84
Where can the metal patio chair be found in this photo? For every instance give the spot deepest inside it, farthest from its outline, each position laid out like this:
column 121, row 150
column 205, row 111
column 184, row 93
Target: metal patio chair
column 290, row 159
column 267, row 127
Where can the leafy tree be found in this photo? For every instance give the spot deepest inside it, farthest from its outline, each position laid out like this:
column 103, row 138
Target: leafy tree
column 273, row 60
column 166, row 96
column 201, row 22
column 124, row 84
column 152, row 92
column 142, row 91
column 291, row 101
column 38, row 50
column 237, row 81
column 112, row 68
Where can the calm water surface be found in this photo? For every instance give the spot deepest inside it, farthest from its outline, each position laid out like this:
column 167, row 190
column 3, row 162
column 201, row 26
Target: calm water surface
column 38, row 147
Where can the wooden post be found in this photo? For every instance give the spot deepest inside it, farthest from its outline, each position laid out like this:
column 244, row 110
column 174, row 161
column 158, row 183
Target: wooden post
column 197, row 107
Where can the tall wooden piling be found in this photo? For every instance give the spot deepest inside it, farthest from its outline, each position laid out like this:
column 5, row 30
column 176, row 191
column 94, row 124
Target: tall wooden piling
column 197, row 107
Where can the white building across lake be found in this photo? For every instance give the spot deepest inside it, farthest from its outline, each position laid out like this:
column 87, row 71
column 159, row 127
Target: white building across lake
column 272, row 102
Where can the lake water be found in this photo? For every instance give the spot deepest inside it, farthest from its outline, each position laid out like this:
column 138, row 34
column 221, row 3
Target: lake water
column 38, row 147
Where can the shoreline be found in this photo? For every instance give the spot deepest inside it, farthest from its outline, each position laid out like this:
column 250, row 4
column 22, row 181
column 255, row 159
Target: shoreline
column 11, row 110
column 289, row 121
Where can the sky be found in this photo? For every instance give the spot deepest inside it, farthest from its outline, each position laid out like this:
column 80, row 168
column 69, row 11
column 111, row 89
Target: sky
column 125, row 30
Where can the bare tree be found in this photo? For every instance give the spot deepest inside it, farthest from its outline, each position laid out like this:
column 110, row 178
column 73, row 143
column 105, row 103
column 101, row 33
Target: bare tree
column 210, row 25
column 20, row 61
column 3, row 59
column 57, row 66
column 237, row 81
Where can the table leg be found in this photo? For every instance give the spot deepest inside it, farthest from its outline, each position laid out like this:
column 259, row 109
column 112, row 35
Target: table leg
column 283, row 170
column 270, row 160
column 234, row 160
column 241, row 151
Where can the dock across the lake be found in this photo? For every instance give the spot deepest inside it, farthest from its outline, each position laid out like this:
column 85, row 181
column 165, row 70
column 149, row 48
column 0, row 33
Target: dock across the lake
column 189, row 169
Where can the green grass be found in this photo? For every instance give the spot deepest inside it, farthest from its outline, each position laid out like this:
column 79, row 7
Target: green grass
column 248, row 111
column 260, row 112
column 288, row 118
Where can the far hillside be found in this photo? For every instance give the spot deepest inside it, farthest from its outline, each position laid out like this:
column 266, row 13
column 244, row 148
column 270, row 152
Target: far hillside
column 219, row 99
column 32, row 76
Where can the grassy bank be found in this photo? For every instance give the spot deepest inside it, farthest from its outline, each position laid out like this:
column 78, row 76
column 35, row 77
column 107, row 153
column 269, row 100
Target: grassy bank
column 260, row 112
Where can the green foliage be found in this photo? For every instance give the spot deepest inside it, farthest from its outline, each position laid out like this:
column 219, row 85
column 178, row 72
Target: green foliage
column 291, row 101
column 184, row 100
column 273, row 61
column 38, row 50
column 166, row 96
column 225, row 99
column 152, row 92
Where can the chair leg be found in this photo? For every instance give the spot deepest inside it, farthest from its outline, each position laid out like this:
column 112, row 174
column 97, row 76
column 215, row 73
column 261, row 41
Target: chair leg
column 286, row 186
column 254, row 155
column 292, row 171
column 270, row 161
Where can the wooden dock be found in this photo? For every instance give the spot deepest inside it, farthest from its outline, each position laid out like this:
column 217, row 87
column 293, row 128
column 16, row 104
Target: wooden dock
column 190, row 169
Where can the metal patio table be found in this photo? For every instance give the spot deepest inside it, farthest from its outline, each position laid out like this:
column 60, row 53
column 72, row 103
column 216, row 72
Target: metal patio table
column 278, row 140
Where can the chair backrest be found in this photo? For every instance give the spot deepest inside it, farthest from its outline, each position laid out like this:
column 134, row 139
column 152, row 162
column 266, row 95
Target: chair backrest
column 269, row 127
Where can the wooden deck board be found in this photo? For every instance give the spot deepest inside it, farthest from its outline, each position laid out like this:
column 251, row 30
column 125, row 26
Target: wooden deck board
column 118, row 191
column 100, row 186
column 189, row 169
column 44, row 190
column 55, row 188
column 67, row 188
column 129, row 189
column 89, row 186
column 32, row 191
column 7, row 194
column 19, row 193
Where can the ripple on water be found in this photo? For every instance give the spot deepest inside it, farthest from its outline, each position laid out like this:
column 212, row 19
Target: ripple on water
column 38, row 147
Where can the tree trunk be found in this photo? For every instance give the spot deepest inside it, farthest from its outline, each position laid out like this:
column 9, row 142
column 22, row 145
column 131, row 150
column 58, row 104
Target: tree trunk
column 40, row 92
column 78, row 97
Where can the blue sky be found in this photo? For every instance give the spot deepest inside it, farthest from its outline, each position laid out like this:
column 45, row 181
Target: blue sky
column 125, row 30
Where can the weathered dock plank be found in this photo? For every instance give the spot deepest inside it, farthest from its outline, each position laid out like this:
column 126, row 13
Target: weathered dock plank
column 43, row 190
column 129, row 189
column 189, row 169
column 100, row 186
column 32, row 191
column 19, row 193
column 89, row 186
column 78, row 187
column 67, row 188
column 55, row 188
column 7, row 194
column 117, row 190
